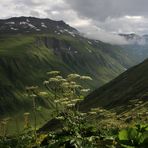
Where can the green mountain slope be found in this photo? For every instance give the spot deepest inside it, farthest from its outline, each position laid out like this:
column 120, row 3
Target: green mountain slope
column 129, row 86
column 28, row 50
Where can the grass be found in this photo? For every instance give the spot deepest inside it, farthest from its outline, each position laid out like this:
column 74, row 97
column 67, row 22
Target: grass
column 128, row 86
column 25, row 59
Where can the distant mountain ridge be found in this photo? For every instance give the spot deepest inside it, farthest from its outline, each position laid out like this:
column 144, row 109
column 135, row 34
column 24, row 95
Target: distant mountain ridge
column 133, row 38
column 35, row 25
column 137, row 45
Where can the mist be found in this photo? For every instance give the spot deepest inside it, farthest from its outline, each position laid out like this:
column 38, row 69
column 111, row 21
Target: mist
column 106, row 37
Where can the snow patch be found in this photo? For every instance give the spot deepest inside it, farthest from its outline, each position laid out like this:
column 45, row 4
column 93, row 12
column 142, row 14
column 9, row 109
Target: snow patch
column 13, row 28
column 23, row 23
column 96, row 41
column 69, row 32
column 10, row 23
column 62, row 31
column 89, row 50
column 27, row 20
column 72, row 34
column 89, row 42
column 38, row 29
column 30, row 25
column 43, row 25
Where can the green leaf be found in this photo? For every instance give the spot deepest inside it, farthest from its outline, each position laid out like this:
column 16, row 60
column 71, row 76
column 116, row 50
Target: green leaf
column 144, row 138
column 123, row 135
column 133, row 133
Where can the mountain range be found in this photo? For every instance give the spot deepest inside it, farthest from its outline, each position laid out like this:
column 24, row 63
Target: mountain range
column 29, row 47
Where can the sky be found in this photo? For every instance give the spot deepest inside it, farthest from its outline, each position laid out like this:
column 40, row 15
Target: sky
column 97, row 19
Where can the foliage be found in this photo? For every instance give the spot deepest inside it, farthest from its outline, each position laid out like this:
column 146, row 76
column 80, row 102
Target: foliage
column 134, row 136
column 93, row 129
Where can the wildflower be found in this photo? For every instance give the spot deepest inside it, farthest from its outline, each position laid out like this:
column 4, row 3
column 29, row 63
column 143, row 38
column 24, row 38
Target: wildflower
column 85, row 78
column 85, row 90
column 57, row 101
column 140, row 102
column 60, row 118
column 136, row 105
column 73, row 83
column 65, row 102
column 53, row 80
column 26, row 120
column 76, row 100
column 4, row 127
column 75, row 86
column 45, row 82
column 73, row 76
column 65, row 99
column 63, row 80
column 33, row 95
column 65, row 84
column 59, row 77
column 96, row 109
column 53, row 72
column 70, row 105
column 31, row 88
column 43, row 93
column 92, row 113
column 83, row 114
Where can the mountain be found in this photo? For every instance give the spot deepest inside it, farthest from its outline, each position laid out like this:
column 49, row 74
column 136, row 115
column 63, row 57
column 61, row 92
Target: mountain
column 26, row 25
column 134, row 38
column 29, row 47
column 137, row 45
column 117, row 94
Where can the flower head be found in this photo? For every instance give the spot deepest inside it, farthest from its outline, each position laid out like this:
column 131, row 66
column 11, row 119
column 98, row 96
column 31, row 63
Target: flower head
column 46, row 82
column 73, row 76
column 85, row 90
column 85, row 78
column 54, row 80
column 53, row 73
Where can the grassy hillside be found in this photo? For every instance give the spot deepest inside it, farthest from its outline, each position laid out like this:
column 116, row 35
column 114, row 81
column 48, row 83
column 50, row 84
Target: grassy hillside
column 25, row 59
column 131, row 86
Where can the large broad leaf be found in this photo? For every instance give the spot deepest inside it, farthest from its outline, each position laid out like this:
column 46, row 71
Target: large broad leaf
column 133, row 134
column 123, row 135
column 144, row 138
column 124, row 138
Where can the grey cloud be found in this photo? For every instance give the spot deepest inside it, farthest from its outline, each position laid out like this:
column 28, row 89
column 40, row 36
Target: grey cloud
column 34, row 13
column 112, row 16
column 102, row 9
column 28, row 3
column 108, row 16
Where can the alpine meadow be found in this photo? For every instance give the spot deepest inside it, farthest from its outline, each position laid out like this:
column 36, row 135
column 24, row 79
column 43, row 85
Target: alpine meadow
column 73, row 74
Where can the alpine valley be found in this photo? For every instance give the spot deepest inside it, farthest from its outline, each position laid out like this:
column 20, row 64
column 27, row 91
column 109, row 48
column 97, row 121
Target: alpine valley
column 31, row 48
